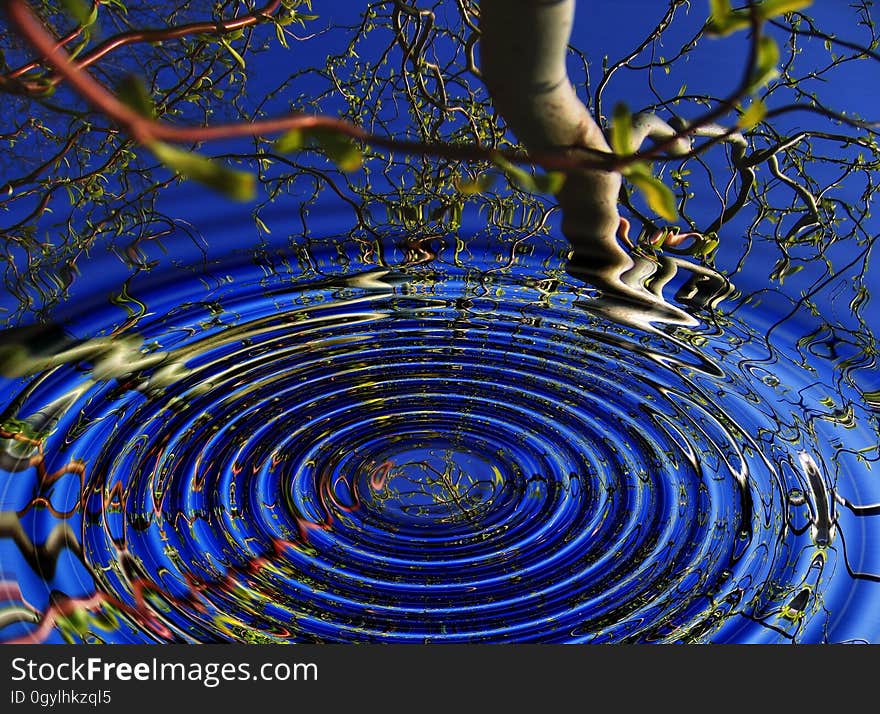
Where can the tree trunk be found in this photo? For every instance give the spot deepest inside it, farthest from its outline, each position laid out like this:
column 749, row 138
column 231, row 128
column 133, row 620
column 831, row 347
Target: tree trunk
column 523, row 53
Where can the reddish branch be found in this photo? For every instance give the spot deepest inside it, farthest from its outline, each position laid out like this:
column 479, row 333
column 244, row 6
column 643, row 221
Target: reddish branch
column 146, row 130
column 137, row 36
column 66, row 40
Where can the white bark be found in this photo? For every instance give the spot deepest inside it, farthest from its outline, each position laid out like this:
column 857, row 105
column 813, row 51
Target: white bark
column 523, row 62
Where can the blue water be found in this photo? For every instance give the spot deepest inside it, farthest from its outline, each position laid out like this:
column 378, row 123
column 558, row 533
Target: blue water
column 361, row 422
column 330, row 447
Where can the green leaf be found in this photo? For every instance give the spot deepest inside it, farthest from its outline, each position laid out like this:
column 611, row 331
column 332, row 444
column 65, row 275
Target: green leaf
column 765, row 64
column 279, row 33
column 551, row 182
column 621, row 130
column 237, row 57
column 467, row 187
column 238, row 185
column 78, row 48
column 43, row 87
column 293, row 140
column 261, row 225
column 132, row 91
column 456, row 211
column 774, row 8
column 705, row 246
column 719, row 8
column 339, row 148
column 81, row 11
column 723, row 19
column 514, row 173
column 540, row 183
column 753, row 115
column 658, row 195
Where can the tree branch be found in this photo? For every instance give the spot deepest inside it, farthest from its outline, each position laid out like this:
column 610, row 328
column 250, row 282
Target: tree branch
column 137, row 36
column 146, row 130
column 523, row 54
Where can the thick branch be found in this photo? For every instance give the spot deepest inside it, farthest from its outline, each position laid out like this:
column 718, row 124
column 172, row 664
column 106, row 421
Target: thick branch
column 523, row 55
column 146, row 129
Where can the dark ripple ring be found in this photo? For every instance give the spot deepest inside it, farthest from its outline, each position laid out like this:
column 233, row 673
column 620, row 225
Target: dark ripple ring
column 336, row 463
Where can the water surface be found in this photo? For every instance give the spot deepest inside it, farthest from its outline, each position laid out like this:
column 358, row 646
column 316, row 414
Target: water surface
column 327, row 447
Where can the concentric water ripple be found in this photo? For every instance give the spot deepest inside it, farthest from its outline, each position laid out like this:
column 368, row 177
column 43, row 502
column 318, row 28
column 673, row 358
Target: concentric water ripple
column 419, row 454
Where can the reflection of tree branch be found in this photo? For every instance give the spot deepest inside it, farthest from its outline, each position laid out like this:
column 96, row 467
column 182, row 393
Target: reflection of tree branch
column 709, row 118
column 655, row 34
column 146, row 130
column 873, row 126
column 9, row 187
column 812, row 219
column 43, row 559
column 138, row 36
column 818, row 34
column 375, row 95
